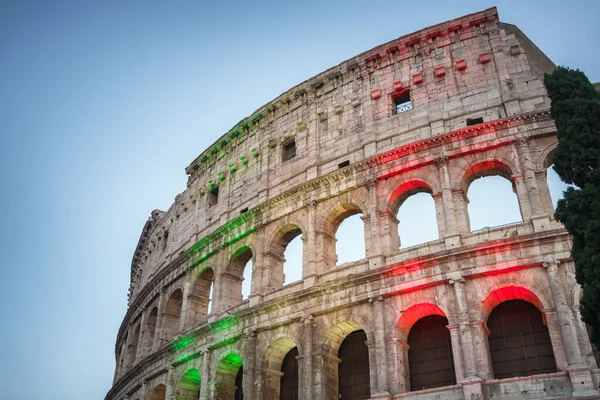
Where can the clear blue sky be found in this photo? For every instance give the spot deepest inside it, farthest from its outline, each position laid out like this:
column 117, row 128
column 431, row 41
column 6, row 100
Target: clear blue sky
column 103, row 104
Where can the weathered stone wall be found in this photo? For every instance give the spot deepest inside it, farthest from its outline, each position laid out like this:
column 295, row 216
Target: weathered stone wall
column 472, row 67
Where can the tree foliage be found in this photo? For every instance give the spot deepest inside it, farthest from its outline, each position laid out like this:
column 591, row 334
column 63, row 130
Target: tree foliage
column 576, row 110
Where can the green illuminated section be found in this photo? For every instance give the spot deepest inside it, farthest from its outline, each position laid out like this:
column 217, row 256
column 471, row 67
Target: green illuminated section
column 224, row 323
column 185, row 357
column 231, row 363
column 183, row 342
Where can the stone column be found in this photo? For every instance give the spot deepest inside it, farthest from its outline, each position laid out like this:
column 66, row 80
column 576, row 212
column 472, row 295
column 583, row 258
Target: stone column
column 400, row 354
column 170, row 391
column 565, row 318
column 389, row 239
column 310, row 274
column 380, row 350
column 373, row 247
column 184, row 306
column 522, row 197
column 249, row 363
column 483, row 359
column 447, row 200
column 144, row 390
column 307, row 379
column 529, row 174
column 556, row 338
column 584, row 340
column 456, row 351
column 466, row 336
column 204, row 376
column 460, row 208
column 140, row 347
column 158, row 333
column 439, row 214
column 256, row 287
column 579, row 372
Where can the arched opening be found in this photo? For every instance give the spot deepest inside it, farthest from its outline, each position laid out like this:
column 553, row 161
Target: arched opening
column 555, row 185
column 519, row 340
column 353, row 369
column 150, row 330
column 229, row 378
column 172, row 315
column 348, row 234
column 491, row 196
column 133, row 347
column 199, row 298
column 288, row 383
column 189, row 385
column 417, row 222
column 430, row 359
column 281, row 369
column 416, row 219
column 292, row 265
column 239, row 384
column 240, row 266
column 159, row 392
column 283, row 262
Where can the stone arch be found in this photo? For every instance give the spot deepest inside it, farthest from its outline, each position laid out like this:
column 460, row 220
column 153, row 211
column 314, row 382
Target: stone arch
column 274, row 258
column 545, row 159
column 340, row 328
column 200, row 297
column 328, row 234
column 403, row 192
column 133, row 346
column 233, row 276
column 150, row 330
column 406, row 189
column 272, row 364
column 482, row 168
column 493, row 167
column 519, row 340
column 159, row 392
column 421, row 308
column 512, row 291
column 188, row 387
column 335, row 341
column 227, row 376
column 172, row 314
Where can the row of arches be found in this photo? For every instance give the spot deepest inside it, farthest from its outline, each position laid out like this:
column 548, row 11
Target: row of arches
column 518, row 340
column 285, row 258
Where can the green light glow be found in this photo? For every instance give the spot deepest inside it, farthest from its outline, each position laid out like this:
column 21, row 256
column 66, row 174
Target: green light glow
column 224, row 323
column 184, row 357
column 231, row 363
column 244, row 160
column 183, row 342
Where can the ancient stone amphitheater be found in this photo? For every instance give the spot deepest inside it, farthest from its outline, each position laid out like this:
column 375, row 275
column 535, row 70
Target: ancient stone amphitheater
column 488, row 314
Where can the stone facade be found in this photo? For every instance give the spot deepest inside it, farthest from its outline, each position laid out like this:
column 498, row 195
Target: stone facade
column 346, row 142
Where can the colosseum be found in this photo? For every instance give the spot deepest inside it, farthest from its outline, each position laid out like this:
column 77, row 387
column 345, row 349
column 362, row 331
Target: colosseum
column 475, row 314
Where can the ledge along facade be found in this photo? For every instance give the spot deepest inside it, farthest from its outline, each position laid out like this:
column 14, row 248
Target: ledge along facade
column 488, row 314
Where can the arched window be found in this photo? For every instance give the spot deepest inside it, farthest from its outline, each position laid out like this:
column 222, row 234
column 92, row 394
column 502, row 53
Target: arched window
column 189, row 385
column 199, row 299
column 150, row 330
column 172, row 315
column 417, row 220
column 430, row 358
column 239, row 267
column 350, row 239
column 159, row 393
column 229, row 378
column 353, row 369
column 133, row 347
column 492, row 202
column 519, row 341
column 289, row 379
column 292, row 266
column 283, row 261
column 555, row 185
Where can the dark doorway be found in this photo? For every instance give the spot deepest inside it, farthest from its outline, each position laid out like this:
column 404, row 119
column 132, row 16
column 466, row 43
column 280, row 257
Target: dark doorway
column 353, row 370
column 289, row 379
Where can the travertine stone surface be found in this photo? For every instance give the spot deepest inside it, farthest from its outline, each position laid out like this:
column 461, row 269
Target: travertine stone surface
column 355, row 155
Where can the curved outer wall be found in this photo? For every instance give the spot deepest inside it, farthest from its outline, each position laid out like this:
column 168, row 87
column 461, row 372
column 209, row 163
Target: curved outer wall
column 471, row 67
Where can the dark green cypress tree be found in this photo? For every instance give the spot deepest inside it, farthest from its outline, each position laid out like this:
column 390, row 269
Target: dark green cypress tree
column 576, row 111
